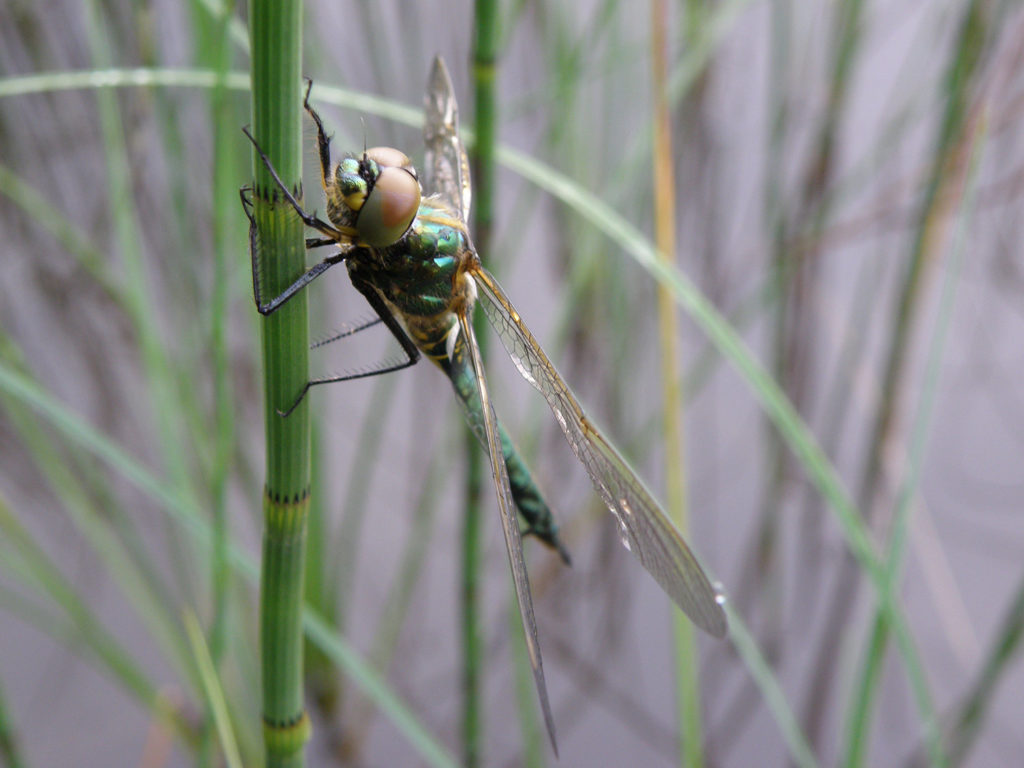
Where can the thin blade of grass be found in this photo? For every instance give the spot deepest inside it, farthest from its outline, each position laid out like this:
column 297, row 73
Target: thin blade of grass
column 771, row 691
column 211, row 685
column 690, row 732
column 863, row 694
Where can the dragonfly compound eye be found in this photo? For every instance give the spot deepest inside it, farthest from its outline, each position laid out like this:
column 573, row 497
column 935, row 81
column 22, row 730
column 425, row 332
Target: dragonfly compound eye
column 389, row 157
column 391, row 206
column 350, row 183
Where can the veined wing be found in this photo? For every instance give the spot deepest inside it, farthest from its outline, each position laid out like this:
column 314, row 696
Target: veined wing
column 447, row 167
column 644, row 529
column 510, row 526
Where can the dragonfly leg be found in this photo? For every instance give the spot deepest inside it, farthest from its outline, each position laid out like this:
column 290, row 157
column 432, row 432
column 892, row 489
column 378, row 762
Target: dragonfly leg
column 309, row 219
column 412, row 353
column 323, row 141
column 319, row 242
column 269, row 307
column 344, row 334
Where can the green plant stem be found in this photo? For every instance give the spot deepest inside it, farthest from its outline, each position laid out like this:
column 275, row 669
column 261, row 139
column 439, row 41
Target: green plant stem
column 154, row 352
column 217, row 51
column 10, row 752
column 27, row 556
column 771, row 691
column 276, row 33
column 970, row 718
column 799, row 269
column 484, row 53
column 964, row 63
column 401, row 594
column 687, row 683
column 216, row 702
column 864, row 693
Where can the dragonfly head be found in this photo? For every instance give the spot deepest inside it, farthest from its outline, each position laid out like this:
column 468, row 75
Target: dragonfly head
column 382, row 190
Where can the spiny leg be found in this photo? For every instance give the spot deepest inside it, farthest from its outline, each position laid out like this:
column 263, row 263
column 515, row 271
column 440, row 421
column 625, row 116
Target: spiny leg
column 412, row 353
column 338, row 335
column 305, row 279
column 322, row 139
column 309, row 219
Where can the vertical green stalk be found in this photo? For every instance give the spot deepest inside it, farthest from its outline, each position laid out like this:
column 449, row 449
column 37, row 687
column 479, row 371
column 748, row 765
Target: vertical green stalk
column 10, row 752
column 485, row 43
column 154, row 352
column 276, row 34
column 864, row 693
column 970, row 717
column 215, row 50
column 799, row 274
column 965, row 63
column 761, row 575
column 688, row 688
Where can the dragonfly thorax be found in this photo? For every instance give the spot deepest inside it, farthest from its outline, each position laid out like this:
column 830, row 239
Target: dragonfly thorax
column 376, row 193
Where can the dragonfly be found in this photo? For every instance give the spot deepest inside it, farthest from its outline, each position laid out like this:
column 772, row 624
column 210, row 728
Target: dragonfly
column 411, row 256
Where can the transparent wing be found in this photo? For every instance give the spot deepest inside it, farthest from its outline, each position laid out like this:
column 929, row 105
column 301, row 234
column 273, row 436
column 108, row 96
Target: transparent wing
column 644, row 529
column 447, row 168
column 510, row 526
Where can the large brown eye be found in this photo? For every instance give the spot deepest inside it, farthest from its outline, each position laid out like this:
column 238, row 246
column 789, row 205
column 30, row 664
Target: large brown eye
column 391, row 158
column 391, row 206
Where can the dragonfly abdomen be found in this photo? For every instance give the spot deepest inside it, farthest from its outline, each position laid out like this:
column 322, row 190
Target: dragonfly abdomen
column 533, row 509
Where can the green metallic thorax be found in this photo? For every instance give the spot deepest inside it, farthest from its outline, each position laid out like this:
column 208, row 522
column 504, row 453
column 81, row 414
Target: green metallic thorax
column 418, row 273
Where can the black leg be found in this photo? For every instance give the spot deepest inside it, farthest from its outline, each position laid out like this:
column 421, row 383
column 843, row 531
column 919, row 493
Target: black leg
column 319, row 242
column 309, row 219
column 411, row 352
column 322, row 140
column 352, row 331
column 305, row 279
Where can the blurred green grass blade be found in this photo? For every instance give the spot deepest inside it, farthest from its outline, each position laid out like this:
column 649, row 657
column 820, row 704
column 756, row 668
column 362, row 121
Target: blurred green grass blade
column 198, row 527
column 26, row 557
column 71, row 238
column 10, row 750
column 396, row 605
column 90, row 504
column 236, row 29
column 159, row 376
column 964, row 67
column 690, row 731
column 864, row 692
column 20, row 387
column 345, row 544
column 484, row 56
column 771, row 692
column 211, row 32
column 969, row 719
column 373, row 685
column 212, row 687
